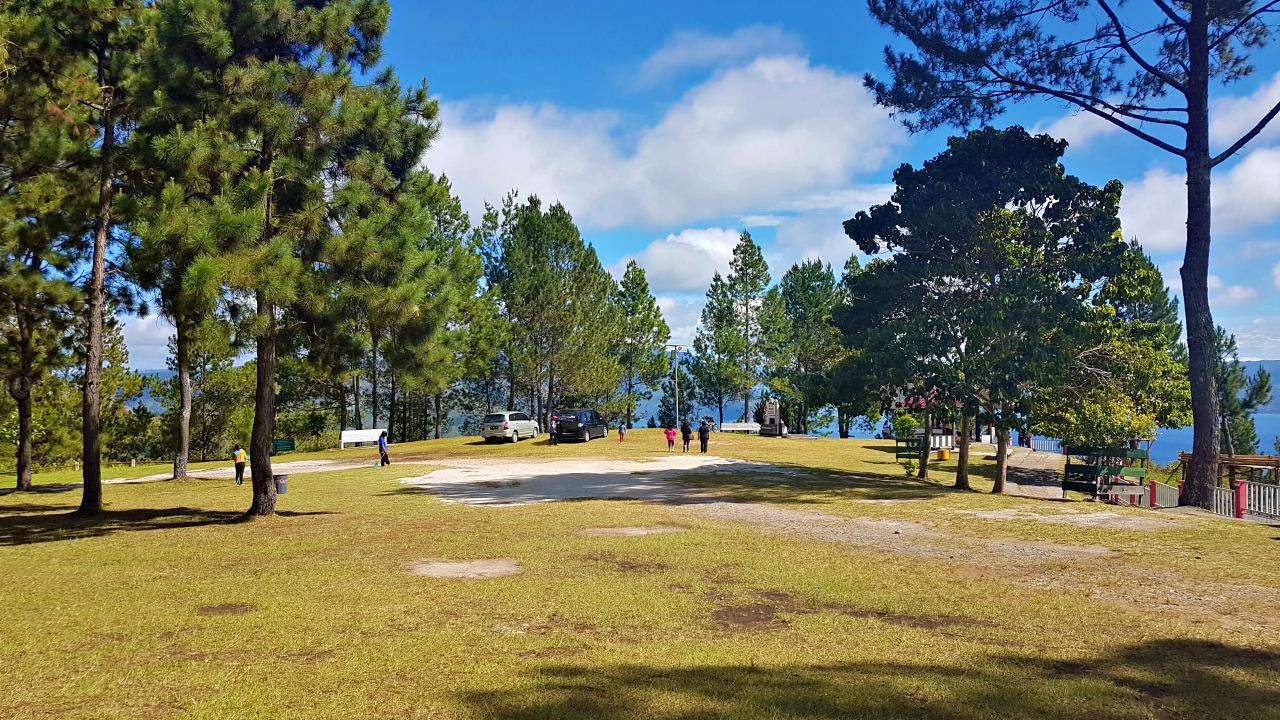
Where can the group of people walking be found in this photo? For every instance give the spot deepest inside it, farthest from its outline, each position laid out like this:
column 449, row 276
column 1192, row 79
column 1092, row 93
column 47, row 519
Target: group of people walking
column 686, row 435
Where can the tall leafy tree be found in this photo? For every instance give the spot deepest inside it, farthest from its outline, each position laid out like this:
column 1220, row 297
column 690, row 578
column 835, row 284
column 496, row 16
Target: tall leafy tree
column 1146, row 68
column 643, row 334
column 995, row 252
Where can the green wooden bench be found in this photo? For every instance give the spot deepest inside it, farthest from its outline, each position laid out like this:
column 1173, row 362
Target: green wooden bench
column 282, row 445
column 1098, row 469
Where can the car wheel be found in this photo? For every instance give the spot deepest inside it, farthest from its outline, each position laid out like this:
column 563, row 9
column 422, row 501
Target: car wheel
column 515, row 436
column 586, row 436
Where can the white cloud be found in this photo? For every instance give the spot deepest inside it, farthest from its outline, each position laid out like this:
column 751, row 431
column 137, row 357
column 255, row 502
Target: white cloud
column 774, row 131
column 682, row 316
column 1224, row 295
column 763, row 220
column 1079, row 128
column 1246, row 196
column 1260, row 339
column 693, row 50
column 685, row 261
column 148, row 341
column 1232, row 117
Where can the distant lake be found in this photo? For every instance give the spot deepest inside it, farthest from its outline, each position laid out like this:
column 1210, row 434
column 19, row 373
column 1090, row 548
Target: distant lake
column 1170, row 442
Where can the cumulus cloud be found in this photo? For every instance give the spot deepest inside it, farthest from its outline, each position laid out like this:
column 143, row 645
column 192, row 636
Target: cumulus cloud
column 148, row 341
column 686, row 261
column 1233, row 116
column 774, row 131
column 693, row 50
column 1246, row 196
column 682, row 316
column 1223, row 295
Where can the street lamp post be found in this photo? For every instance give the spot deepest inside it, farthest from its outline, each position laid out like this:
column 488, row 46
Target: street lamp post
column 675, row 368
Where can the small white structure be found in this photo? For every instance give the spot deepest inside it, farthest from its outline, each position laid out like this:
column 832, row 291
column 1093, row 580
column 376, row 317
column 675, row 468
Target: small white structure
column 773, row 425
column 359, row 437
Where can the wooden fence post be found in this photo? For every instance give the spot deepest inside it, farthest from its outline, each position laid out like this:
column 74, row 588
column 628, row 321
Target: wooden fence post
column 1240, row 491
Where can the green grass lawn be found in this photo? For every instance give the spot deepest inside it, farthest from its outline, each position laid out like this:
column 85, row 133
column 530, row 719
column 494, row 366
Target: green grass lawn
column 165, row 608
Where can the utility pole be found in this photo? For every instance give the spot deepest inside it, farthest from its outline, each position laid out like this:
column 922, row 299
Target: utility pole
column 675, row 368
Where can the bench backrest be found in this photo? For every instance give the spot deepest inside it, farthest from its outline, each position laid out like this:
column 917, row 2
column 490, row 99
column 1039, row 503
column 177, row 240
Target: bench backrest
column 355, row 437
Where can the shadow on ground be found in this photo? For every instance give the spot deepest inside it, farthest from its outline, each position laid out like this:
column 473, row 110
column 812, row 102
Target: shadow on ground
column 1160, row 678
column 30, row 523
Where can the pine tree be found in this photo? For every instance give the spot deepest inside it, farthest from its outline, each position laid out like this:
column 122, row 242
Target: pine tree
column 716, row 348
column 43, row 131
column 1240, row 396
column 747, row 280
column 808, row 293
column 644, row 333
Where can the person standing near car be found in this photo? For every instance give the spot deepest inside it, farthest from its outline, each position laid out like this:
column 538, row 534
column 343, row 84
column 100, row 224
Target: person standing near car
column 555, row 429
column 704, row 434
column 239, row 457
column 622, row 432
column 686, row 433
column 385, row 459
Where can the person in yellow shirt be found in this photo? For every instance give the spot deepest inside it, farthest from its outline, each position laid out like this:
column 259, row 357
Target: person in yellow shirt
column 239, row 457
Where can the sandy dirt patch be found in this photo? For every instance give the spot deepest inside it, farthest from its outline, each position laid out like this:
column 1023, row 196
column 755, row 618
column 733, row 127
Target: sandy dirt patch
column 631, row 531
column 1105, row 519
column 489, row 482
column 466, row 569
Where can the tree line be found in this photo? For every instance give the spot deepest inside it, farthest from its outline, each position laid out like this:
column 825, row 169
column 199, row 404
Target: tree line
column 250, row 171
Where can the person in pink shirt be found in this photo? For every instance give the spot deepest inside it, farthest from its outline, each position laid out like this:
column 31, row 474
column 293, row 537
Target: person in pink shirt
column 671, row 438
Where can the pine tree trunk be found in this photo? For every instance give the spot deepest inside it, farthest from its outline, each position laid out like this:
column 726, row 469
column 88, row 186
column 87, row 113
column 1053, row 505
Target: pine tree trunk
column 1002, row 459
column 1202, row 471
column 373, row 381
column 630, row 402
column 20, row 391
column 264, row 415
column 91, row 408
column 355, row 400
column 962, row 452
column 722, row 411
column 182, row 361
column 342, row 405
column 391, row 410
column 437, row 416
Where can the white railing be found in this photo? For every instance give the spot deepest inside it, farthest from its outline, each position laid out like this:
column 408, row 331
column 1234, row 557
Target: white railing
column 1262, row 499
column 942, row 441
column 1046, row 445
column 1224, row 502
column 1166, row 495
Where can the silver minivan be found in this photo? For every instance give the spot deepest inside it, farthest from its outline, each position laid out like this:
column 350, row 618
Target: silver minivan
column 509, row 425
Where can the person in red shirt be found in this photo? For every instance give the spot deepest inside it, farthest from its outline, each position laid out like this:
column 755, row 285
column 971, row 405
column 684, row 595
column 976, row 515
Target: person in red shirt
column 671, row 438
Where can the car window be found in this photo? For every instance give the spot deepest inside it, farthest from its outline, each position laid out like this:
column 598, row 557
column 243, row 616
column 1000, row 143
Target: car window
column 519, row 416
column 495, row 418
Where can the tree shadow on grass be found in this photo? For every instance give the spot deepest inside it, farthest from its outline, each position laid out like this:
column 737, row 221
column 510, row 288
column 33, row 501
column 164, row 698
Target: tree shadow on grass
column 1161, row 678
column 43, row 489
column 46, row 526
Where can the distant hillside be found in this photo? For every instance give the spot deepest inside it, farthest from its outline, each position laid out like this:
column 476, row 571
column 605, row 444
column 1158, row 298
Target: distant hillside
column 1273, row 368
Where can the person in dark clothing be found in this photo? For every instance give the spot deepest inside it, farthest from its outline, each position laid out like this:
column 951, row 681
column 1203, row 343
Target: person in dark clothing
column 382, row 449
column 704, row 434
column 686, row 434
column 555, row 430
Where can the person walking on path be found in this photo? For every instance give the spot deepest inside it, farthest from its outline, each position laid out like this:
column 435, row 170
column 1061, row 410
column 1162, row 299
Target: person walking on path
column 622, row 432
column 686, row 434
column 671, row 438
column 704, row 434
column 239, row 457
column 385, row 459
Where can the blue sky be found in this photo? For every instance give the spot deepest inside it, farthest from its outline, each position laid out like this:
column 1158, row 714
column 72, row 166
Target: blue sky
column 666, row 128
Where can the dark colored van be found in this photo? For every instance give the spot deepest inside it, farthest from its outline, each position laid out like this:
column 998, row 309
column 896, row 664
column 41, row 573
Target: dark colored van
column 579, row 425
